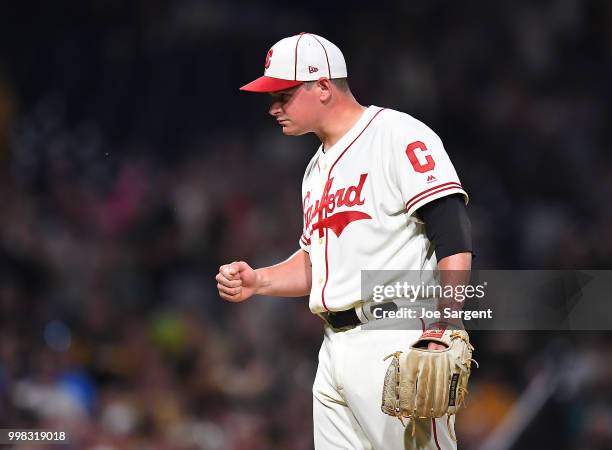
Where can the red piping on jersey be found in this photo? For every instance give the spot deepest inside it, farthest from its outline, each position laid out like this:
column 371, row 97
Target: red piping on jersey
column 431, row 189
column 408, row 207
column 328, row 176
column 305, row 240
column 435, row 433
column 423, row 195
column 326, row 57
column 295, row 65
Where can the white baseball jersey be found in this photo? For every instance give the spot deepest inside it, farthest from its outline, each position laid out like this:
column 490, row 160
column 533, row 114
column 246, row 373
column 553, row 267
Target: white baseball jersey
column 359, row 199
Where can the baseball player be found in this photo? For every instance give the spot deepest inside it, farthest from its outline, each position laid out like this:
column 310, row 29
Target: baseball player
column 379, row 193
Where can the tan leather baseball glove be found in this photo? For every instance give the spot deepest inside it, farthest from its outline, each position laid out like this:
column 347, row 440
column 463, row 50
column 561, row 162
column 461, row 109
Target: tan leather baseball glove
column 423, row 383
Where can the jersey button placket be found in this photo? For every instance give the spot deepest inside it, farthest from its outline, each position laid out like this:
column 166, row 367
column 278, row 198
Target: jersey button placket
column 323, row 214
column 319, row 235
column 324, row 232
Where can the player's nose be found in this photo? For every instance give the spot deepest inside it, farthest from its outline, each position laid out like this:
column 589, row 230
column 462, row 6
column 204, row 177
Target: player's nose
column 275, row 108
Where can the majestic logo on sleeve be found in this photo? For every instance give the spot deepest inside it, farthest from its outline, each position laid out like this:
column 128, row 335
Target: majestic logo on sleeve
column 323, row 208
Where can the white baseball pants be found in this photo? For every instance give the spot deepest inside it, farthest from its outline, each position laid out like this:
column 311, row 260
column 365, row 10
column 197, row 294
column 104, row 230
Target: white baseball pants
column 347, row 395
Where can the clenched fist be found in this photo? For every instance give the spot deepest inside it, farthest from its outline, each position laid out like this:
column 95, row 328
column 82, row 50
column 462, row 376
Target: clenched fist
column 236, row 282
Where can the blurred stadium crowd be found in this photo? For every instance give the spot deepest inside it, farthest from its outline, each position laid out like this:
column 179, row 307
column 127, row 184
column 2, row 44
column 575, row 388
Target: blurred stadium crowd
column 132, row 168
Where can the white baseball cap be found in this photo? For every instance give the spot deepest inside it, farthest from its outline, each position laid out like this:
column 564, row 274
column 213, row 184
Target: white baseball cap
column 299, row 58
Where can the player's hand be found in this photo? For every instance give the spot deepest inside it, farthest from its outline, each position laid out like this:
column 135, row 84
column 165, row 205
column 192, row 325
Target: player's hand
column 435, row 346
column 236, row 282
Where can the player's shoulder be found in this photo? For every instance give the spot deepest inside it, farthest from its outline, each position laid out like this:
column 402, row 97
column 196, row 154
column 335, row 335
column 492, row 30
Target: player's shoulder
column 403, row 124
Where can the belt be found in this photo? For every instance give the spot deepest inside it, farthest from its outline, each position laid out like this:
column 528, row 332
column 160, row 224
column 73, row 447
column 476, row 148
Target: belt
column 349, row 317
column 342, row 319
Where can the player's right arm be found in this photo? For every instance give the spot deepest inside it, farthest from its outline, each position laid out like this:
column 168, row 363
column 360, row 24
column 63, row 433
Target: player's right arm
column 237, row 281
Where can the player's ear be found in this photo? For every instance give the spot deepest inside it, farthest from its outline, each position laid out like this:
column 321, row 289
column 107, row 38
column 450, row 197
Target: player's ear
column 325, row 89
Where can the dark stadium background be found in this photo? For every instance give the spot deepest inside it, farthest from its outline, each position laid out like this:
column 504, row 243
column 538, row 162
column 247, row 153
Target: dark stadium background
column 131, row 167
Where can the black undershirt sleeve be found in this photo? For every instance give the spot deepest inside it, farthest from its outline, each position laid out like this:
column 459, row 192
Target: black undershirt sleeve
column 447, row 225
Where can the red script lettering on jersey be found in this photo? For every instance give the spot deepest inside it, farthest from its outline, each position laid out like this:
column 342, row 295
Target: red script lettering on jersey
column 328, row 202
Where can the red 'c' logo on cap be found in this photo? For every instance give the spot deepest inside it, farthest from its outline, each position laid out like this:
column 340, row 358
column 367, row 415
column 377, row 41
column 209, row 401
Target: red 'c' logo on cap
column 268, row 57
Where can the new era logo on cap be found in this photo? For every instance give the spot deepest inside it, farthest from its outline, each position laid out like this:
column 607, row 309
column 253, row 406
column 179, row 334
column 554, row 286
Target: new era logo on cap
column 299, row 58
column 268, row 56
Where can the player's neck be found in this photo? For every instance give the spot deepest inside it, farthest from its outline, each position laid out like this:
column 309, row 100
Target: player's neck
column 339, row 121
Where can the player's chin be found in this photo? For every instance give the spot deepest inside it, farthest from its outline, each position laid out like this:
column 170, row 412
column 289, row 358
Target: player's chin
column 289, row 130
